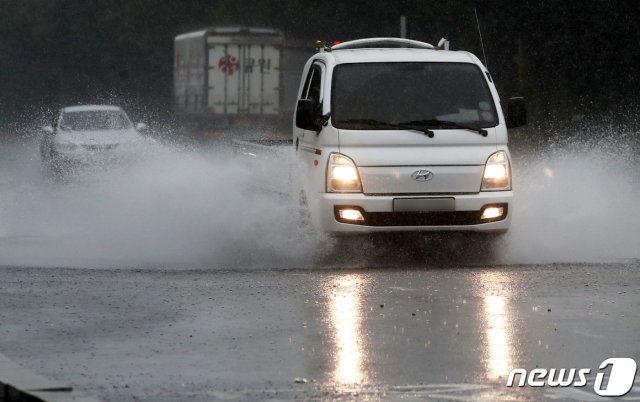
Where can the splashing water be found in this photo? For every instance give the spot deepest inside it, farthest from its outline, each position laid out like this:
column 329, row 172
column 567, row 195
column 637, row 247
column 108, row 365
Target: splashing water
column 576, row 203
column 171, row 205
column 174, row 206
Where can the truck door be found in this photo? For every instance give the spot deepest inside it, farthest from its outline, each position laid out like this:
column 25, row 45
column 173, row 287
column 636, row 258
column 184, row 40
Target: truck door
column 265, row 92
column 224, row 78
column 309, row 144
column 312, row 90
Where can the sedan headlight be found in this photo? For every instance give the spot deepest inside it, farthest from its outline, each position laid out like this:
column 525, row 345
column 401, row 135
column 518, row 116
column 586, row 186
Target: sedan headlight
column 342, row 175
column 497, row 173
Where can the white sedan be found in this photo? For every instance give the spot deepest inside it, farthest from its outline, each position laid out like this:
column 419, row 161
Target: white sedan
column 86, row 135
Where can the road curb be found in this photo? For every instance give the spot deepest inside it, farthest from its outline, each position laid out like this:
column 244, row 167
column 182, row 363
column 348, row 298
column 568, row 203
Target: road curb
column 17, row 384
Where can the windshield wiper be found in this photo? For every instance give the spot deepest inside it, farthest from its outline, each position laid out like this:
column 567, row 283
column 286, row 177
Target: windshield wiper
column 436, row 123
column 381, row 124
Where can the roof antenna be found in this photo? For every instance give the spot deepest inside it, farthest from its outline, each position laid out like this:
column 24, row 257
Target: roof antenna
column 484, row 55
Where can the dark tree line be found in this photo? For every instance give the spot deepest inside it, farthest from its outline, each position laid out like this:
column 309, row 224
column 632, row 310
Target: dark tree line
column 566, row 57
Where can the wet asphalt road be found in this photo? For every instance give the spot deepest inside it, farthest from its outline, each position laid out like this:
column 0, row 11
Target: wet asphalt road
column 384, row 333
column 273, row 313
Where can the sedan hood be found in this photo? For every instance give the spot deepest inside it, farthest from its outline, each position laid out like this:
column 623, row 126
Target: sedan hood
column 98, row 137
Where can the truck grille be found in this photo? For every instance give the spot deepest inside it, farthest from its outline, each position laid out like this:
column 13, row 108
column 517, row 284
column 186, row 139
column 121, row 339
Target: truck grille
column 446, row 179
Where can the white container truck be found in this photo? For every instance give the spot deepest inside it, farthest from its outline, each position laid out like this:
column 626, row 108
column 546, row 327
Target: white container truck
column 228, row 77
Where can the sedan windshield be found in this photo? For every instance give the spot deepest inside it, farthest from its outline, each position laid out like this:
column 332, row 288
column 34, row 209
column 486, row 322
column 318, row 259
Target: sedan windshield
column 380, row 95
column 95, row 120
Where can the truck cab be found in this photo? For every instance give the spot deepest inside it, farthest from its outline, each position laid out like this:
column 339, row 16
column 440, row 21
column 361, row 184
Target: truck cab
column 398, row 135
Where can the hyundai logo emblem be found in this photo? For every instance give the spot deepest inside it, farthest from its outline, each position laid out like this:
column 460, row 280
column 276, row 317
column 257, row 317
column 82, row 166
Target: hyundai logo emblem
column 422, row 175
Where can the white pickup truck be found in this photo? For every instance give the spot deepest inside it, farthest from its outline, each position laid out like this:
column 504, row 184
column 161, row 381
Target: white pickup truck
column 398, row 135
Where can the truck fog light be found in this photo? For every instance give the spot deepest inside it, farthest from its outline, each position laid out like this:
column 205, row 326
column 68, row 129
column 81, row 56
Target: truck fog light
column 349, row 214
column 492, row 212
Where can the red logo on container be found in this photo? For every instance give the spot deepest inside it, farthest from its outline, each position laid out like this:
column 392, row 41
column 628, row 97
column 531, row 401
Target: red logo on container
column 229, row 65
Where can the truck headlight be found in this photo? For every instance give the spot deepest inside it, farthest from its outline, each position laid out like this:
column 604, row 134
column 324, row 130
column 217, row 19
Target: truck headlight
column 497, row 173
column 342, row 175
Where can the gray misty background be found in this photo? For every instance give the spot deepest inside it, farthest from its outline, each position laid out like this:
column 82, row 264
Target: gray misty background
column 571, row 59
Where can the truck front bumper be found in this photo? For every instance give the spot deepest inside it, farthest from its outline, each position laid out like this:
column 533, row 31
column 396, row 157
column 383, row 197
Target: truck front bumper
column 379, row 215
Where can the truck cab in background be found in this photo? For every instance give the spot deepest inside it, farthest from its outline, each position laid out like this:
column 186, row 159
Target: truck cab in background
column 398, row 135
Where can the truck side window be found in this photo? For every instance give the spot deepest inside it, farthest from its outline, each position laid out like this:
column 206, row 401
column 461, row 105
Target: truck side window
column 305, row 89
column 314, row 87
column 313, row 83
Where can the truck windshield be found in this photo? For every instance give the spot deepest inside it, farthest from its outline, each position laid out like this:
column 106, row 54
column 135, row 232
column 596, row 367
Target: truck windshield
column 369, row 96
column 95, row 120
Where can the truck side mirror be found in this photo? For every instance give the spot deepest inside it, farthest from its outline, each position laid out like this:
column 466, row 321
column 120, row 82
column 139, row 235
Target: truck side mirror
column 516, row 112
column 307, row 116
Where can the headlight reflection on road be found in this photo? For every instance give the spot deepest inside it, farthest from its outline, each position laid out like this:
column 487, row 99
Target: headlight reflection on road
column 345, row 318
column 498, row 329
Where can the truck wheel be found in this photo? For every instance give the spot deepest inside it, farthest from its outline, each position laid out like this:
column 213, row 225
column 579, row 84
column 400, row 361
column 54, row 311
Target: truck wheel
column 304, row 216
column 298, row 199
